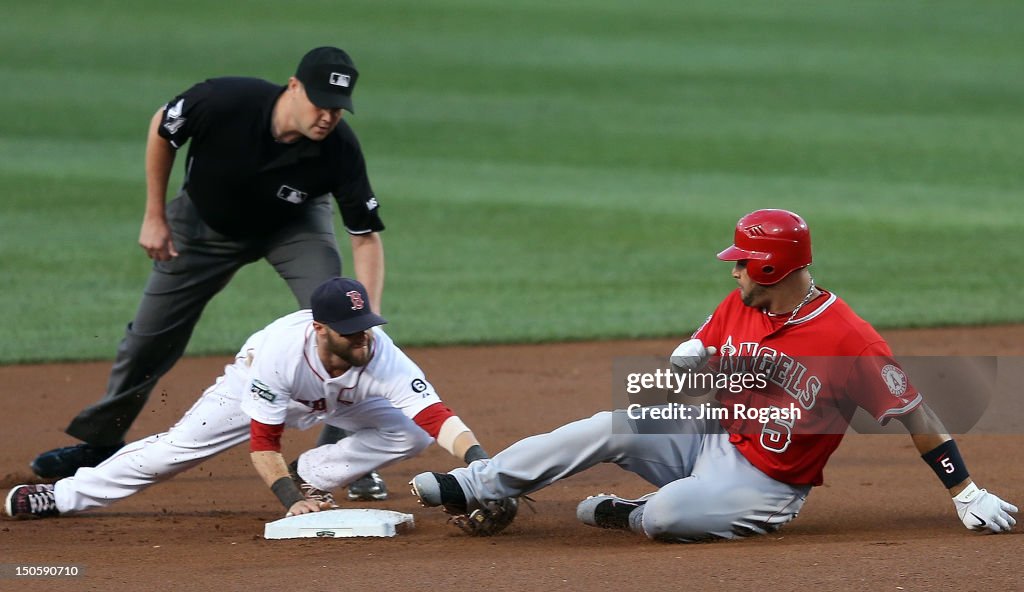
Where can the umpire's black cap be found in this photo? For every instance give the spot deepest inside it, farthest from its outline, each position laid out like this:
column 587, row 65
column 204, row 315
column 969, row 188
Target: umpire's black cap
column 329, row 76
column 342, row 304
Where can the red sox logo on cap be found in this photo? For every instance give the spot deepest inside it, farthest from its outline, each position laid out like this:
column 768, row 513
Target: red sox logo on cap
column 356, row 298
column 343, row 305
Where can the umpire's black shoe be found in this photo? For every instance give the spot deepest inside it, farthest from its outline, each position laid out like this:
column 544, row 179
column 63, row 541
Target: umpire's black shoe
column 64, row 462
column 439, row 489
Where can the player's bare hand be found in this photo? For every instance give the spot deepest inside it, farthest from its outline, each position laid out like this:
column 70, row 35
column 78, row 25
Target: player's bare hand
column 305, row 507
column 980, row 510
column 155, row 239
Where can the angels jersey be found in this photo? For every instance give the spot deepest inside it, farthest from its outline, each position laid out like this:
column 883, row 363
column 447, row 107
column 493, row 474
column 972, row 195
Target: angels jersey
column 279, row 367
column 826, row 363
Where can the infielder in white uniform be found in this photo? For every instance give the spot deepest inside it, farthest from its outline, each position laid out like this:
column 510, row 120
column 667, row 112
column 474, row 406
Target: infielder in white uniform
column 332, row 364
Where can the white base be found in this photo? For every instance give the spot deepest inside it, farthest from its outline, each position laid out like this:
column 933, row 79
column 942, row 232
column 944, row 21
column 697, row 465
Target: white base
column 339, row 523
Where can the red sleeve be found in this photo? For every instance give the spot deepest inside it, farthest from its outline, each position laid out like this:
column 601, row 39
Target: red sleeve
column 432, row 418
column 263, row 437
column 879, row 385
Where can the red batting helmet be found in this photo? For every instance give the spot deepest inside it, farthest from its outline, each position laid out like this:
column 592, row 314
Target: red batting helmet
column 774, row 243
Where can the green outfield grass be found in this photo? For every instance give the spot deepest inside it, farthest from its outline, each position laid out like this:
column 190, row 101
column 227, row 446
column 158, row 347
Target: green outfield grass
column 547, row 170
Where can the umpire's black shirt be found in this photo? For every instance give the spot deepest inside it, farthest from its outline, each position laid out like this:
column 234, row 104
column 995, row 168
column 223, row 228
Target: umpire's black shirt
column 245, row 184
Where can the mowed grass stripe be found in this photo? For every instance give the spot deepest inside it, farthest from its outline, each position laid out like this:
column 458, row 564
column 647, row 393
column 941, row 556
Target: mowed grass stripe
column 560, row 171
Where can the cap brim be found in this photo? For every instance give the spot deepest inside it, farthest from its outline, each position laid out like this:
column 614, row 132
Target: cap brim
column 325, row 100
column 734, row 253
column 358, row 324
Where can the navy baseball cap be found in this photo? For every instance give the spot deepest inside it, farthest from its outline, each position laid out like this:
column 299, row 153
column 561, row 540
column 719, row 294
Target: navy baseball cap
column 329, row 76
column 342, row 304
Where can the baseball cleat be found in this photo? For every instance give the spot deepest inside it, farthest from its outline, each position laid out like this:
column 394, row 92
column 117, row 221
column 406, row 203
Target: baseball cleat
column 312, row 492
column 31, row 500
column 439, row 489
column 64, row 462
column 368, row 488
column 608, row 511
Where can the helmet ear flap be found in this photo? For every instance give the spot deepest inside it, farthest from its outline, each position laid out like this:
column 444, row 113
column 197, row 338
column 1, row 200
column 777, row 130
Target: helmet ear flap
column 761, row 271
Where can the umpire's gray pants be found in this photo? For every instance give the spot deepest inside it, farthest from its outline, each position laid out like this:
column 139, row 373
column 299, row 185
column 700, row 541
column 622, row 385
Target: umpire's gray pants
column 707, row 488
column 304, row 253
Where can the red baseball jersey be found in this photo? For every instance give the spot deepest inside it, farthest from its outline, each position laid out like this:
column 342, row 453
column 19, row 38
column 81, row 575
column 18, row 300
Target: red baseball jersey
column 825, row 363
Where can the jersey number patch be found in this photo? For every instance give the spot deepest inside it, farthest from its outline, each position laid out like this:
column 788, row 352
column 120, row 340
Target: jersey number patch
column 776, row 435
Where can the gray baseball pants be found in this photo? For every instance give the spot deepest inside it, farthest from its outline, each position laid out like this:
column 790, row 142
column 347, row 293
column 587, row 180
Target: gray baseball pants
column 707, row 489
column 304, row 253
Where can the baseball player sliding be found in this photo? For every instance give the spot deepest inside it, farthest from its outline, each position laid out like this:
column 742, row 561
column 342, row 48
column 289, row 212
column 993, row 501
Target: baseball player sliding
column 728, row 476
column 332, row 364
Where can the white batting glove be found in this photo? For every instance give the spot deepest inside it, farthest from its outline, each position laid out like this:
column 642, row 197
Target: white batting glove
column 981, row 510
column 691, row 355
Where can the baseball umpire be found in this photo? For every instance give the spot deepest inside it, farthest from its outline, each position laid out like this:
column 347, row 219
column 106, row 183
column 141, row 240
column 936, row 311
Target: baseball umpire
column 332, row 364
column 263, row 161
column 730, row 476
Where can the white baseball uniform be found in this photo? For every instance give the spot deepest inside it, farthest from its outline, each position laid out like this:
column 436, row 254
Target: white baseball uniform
column 277, row 377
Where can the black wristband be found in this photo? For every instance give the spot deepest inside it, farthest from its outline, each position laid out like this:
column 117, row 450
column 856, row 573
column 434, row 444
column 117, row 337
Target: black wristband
column 475, row 452
column 947, row 463
column 287, row 491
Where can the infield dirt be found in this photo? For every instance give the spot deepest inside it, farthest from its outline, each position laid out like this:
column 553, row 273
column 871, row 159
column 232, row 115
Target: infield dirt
column 881, row 521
